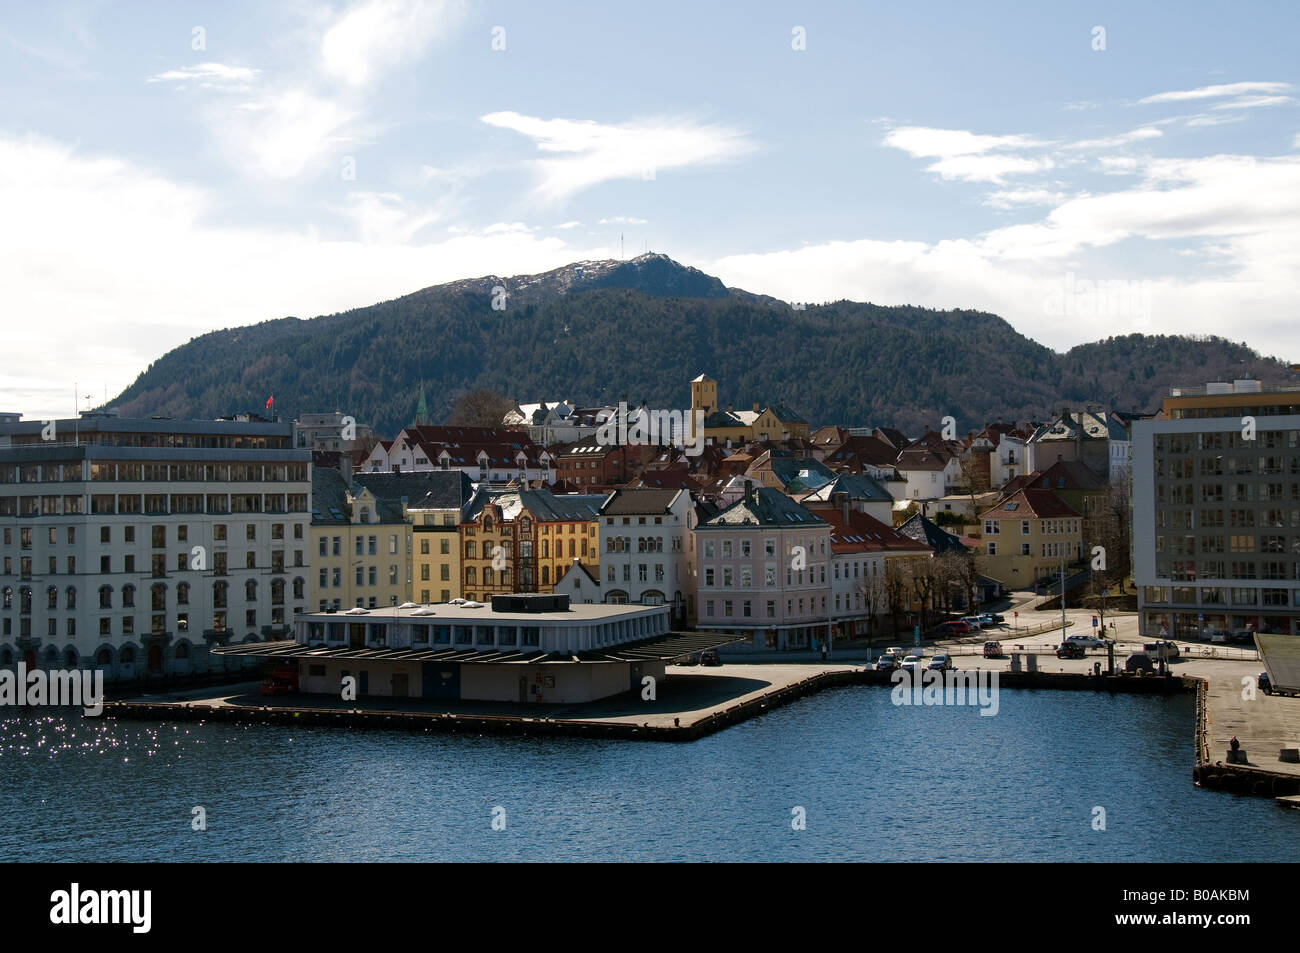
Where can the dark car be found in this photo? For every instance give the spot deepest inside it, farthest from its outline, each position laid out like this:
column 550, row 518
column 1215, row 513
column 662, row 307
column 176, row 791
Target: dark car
column 1265, row 683
column 887, row 662
column 710, row 657
column 691, row 659
column 1139, row 662
column 1071, row 650
column 1243, row 637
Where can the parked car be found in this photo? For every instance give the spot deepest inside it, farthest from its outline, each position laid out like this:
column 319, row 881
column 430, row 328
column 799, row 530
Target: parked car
column 974, row 621
column 1220, row 636
column 989, row 620
column 895, row 651
column 710, row 657
column 1161, row 649
column 1242, row 637
column 1265, row 683
column 1139, row 662
column 993, row 650
column 692, row 659
column 951, row 628
column 1068, row 649
column 940, row 663
column 886, row 663
column 1087, row 641
column 911, row 662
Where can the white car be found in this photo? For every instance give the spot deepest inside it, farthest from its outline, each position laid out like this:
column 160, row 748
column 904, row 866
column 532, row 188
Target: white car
column 912, row 662
column 974, row 621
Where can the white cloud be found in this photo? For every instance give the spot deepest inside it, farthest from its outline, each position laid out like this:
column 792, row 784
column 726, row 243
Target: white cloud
column 1240, row 215
column 373, row 36
column 1013, row 198
column 969, row 156
column 588, row 153
column 573, row 224
column 1214, row 92
column 282, row 135
column 1123, row 138
column 925, row 142
column 622, row 220
column 209, row 76
column 107, row 265
column 386, row 218
column 1253, row 102
column 988, row 168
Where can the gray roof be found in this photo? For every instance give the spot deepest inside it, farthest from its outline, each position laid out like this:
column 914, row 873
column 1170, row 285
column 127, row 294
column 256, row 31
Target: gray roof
column 765, row 507
column 423, row 490
column 547, row 506
column 639, row 502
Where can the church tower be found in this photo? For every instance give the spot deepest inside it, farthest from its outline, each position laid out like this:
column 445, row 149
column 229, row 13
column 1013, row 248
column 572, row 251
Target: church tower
column 704, row 394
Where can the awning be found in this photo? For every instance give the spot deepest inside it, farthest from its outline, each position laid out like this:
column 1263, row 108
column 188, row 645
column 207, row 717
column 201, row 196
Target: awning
column 658, row 648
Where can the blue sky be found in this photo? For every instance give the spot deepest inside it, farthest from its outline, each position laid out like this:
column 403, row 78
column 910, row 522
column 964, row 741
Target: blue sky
column 170, row 169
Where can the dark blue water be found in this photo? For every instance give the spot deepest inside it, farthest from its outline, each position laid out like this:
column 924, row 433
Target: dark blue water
column 877, row 783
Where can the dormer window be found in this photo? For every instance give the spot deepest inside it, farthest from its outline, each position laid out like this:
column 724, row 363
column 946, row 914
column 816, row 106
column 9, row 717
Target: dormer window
column 365, row 514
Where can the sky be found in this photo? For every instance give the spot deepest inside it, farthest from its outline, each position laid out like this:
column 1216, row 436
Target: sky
column 1081, row 169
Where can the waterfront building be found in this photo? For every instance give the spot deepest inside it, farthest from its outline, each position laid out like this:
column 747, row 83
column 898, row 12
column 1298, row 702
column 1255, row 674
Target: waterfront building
column 762, row 571
column 520, row 648
column 133, row 546
column 1216, row 511
column 645, row 539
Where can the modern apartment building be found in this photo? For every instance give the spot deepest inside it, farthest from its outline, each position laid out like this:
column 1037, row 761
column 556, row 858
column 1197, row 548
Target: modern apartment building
column 762, row 571
column 1216, row 511
column 133, row 546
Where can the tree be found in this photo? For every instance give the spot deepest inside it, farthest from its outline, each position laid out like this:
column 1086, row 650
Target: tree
column 873, row 598
column 896, row 586
column 480, row 408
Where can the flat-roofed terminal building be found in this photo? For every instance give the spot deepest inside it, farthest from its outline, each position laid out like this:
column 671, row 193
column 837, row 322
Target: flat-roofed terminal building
column 521, row 648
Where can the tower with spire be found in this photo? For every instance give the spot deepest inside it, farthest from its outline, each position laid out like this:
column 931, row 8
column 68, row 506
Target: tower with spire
column 422, row 410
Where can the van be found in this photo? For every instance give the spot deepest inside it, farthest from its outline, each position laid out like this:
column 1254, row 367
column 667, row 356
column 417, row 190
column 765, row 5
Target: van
column 1161, row 649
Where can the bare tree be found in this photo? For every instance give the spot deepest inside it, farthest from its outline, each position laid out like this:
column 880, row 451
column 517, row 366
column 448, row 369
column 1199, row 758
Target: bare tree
column 873, row 599
column 896, row 587
column 480, row 408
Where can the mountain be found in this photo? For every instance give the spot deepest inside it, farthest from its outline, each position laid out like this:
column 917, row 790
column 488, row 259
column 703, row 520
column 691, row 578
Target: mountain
column 641, row 329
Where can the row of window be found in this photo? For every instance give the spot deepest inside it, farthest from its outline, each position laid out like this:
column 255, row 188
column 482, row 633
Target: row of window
column 153, row 504
column 725, row 546
column 728, row 607
column 793, row 577
column 364, row 545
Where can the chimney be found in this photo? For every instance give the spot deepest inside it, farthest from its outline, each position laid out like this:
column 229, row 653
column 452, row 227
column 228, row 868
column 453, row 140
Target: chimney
column 730, row 408
column 750, row 495
column 842, row 500
column 345, row 466
column 755, row 406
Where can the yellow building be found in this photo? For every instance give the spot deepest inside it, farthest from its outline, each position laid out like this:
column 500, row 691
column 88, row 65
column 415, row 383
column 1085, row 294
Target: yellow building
column 360, row 546
column 773, row 422
column 1025, row 537
column 523, row 541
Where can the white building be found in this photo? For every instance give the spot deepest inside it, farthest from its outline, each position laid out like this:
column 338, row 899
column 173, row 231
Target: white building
column 134, row 546
column 522, row 648
column 645, row 540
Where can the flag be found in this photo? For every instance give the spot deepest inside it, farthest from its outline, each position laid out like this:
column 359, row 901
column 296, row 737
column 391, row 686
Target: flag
column 268, row 402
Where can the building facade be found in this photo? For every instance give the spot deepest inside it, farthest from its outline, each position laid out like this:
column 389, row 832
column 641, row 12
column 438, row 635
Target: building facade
column 134, row 546
column 1216, row 512
column 762, row 572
